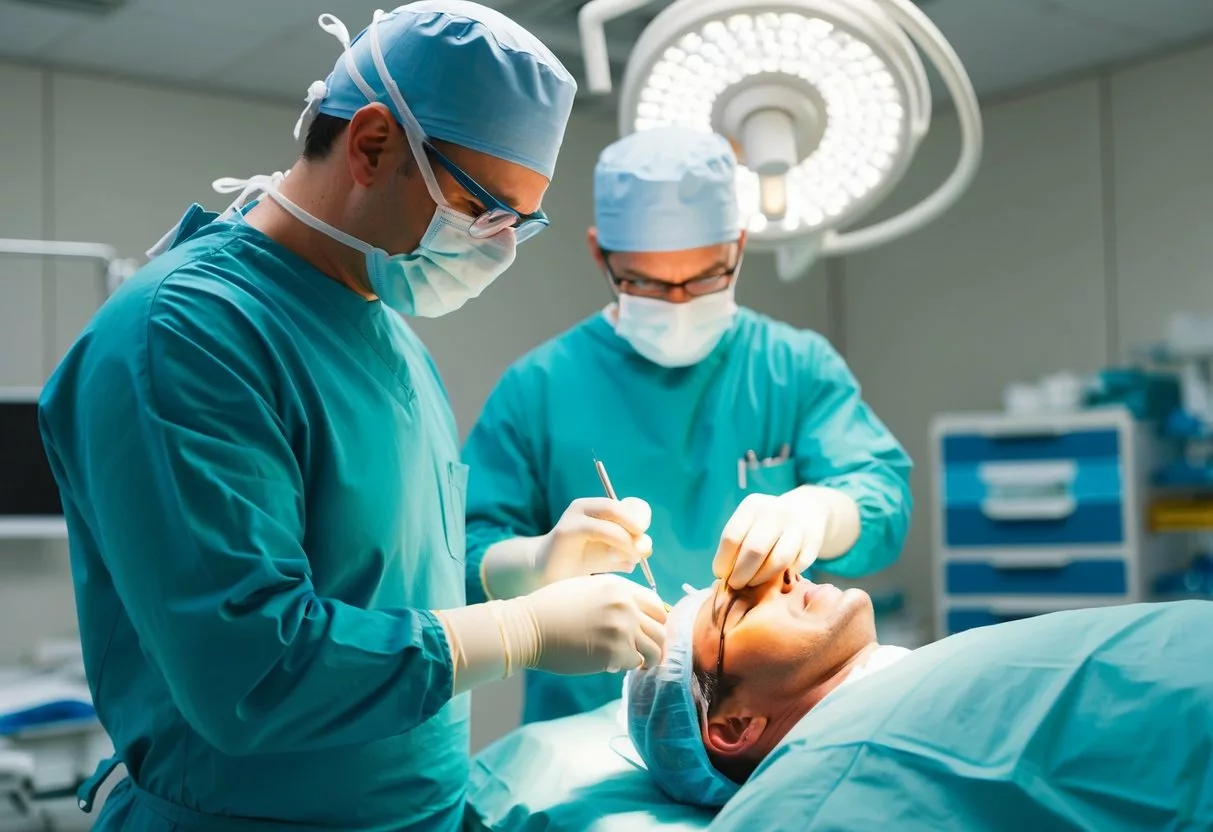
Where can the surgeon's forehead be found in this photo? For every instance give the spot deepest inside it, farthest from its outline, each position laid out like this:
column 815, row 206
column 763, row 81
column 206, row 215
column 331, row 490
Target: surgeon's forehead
column 687, row 263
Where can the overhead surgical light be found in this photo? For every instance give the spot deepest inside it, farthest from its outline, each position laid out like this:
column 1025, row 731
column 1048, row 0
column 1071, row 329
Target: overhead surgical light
column 826, row 102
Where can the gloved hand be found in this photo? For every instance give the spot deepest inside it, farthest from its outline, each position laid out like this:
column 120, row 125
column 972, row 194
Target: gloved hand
column 595, row 623
column 770, row 534
column 572, row 627
column 593, row 535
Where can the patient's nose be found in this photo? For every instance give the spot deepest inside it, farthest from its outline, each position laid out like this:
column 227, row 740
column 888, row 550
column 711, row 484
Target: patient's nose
column 788, row 580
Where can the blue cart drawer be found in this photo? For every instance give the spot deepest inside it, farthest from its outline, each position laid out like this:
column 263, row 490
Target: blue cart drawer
column 1082, row 577
column 1094, row 481
column 962, row 619
column 962, row 448
column 1092, row 524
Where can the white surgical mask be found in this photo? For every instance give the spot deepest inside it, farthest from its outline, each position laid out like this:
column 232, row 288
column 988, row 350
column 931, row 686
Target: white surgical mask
column 449, row 266
column 675, row 334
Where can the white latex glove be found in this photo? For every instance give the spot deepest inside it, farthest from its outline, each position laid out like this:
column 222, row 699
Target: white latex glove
column 769, row 534
column 573, row 627
column 596, row 623
column 594, row 535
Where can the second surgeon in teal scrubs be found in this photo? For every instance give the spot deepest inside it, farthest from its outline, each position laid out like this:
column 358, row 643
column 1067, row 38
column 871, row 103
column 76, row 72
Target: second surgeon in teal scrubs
column 744, row 440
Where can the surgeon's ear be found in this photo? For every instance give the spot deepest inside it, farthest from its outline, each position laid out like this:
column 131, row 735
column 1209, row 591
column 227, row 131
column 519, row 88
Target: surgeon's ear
column 741, row 241
column 735, row 733
column 369, row 143
column 591, row 239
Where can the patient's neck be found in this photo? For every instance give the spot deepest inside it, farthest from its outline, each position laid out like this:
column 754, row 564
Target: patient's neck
column 783, row 716
column 782, row 719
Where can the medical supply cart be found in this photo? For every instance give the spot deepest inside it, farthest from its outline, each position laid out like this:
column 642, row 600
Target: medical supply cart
column 1042, row 512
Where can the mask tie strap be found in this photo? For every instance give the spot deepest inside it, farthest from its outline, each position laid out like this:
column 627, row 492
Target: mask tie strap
column 318, row 224
column 412, row 128
column 249, row 187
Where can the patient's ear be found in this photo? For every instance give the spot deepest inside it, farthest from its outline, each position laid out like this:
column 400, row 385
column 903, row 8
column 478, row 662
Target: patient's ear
column 735, row 733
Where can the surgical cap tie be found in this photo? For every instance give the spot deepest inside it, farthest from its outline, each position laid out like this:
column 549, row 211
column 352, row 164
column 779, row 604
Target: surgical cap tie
column 316, row 93
column 319, row 90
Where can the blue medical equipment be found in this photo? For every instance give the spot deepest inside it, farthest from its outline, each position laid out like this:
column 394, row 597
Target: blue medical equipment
column 1037, row 513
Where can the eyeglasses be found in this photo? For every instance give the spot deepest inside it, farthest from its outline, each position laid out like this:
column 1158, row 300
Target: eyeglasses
column 497, row 215
column 648, row 287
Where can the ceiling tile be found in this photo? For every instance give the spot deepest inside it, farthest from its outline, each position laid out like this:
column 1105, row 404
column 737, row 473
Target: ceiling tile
column 150, row 45
column 282, row 67
column 26, row 30
column 274, row 47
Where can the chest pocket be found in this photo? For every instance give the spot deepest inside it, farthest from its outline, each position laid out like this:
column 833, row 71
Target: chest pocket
column 454, row 509
column 772, row 479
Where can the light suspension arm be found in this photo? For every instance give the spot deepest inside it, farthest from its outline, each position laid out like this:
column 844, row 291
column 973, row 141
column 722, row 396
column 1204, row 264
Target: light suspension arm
column 116, row 269
column 932, row 42
column 591, row 21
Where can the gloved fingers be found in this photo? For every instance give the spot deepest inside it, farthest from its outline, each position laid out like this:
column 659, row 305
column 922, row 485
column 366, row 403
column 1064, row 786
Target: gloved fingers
column 653, row 630
column 639, row 512
column 604, row 533
column 644, row 546
column 785, row 554
column 732, row 537
column 598, row 557
column 650, row 649
column 651, row 606
column 755, row 550
column 814, row 535
column 631, row 513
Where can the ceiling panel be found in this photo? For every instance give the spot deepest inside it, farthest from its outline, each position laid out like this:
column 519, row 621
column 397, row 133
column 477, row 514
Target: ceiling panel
column 25, row 31
column 274, row 47
column 151, row 45
column 282, row 67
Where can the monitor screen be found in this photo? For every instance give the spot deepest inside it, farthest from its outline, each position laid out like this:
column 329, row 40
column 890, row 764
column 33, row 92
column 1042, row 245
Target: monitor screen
column 27, row 487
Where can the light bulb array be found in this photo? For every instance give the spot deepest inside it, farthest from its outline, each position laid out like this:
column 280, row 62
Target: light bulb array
column 865, row 108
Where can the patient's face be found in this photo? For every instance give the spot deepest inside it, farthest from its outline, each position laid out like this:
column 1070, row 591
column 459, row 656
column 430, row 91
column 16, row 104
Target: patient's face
column 785, row 635
column 786, row 644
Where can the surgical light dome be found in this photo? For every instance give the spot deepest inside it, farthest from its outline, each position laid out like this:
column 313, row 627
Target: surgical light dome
column 826, row 102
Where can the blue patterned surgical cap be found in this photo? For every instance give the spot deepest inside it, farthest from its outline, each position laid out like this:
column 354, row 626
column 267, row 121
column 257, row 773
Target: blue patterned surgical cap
column 664, row 717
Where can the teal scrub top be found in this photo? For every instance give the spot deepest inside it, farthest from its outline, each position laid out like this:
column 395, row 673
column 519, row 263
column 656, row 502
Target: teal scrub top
column 264, row 499
column 674, row 437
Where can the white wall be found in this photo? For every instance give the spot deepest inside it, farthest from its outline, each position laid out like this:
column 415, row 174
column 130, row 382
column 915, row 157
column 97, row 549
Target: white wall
column 91, row 159
column 1088, row 224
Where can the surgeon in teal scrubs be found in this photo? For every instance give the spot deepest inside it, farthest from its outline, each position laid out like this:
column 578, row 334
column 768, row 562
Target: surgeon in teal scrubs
column 260, row 472
column 742, row 443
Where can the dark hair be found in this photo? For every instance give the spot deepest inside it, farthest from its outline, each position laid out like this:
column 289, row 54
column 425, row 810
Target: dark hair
column 713, row 690
column 322, row 134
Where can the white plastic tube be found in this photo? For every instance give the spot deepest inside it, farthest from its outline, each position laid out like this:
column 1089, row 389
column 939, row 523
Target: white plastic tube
column 54, row 248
